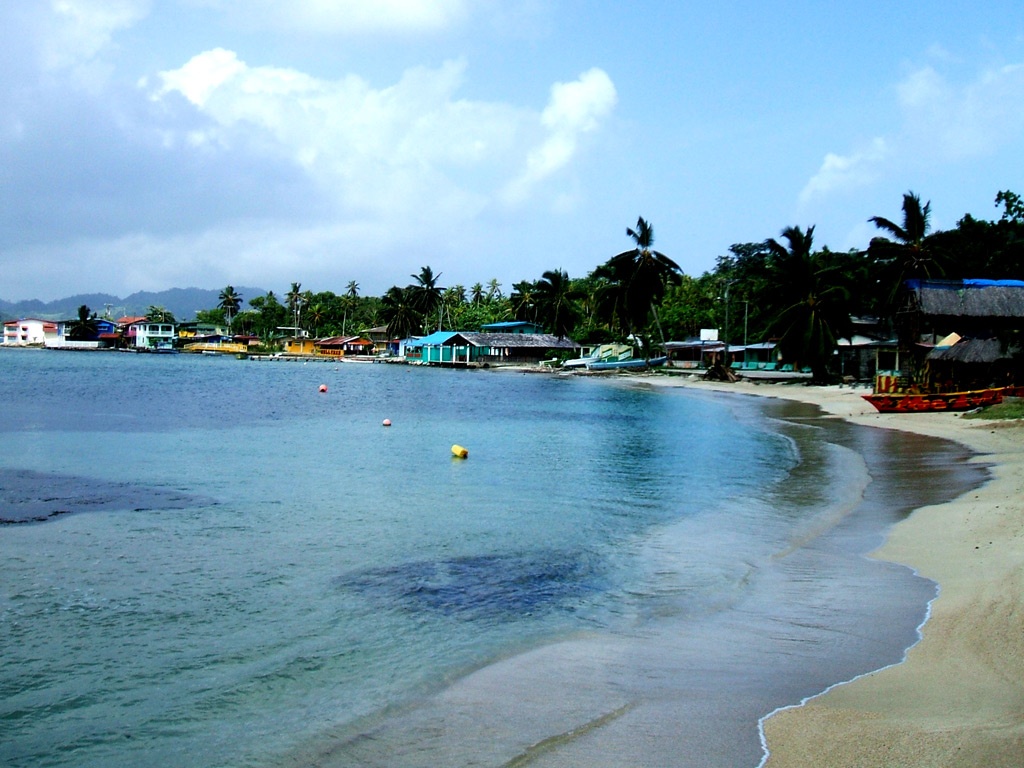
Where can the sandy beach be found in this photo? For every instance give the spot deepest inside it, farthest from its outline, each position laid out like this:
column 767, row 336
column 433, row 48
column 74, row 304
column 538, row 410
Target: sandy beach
column 958, row 698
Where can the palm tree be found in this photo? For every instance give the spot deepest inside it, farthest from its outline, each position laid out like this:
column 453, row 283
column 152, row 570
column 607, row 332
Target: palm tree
column 426, row 293
column 524, row 300
column 637, row 279
column 230, row 301
column 86, row 327
column 556, row 300
column 493, row 289
column 157, row 314
column 399, row 313
column 905, row 254
column 810, row 304
column 317, row 313
column 476, row 294
column 294, row 300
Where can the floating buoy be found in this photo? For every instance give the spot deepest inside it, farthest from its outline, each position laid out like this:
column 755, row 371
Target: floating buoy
column 459, row 452
column 323, row 387
column 386, row 422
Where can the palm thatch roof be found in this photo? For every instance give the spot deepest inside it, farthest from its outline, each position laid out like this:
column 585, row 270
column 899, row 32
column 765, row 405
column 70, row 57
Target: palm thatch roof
column 971, row 351
column 968, row 298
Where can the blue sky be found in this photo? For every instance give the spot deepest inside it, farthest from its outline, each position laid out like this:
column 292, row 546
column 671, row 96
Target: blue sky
column 148, row 144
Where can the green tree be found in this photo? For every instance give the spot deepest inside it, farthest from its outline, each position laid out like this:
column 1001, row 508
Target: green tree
column 556, row 301
column 230, row 300
column 905, row 254
column 426, row 294
column 271, row 315
column 810, row 304
column 85, row 327
column 399, row 312
column 156, row 314
column 317, row 315
column 295, row 299
column 476, row 294
column 524, row 300
column 1013, row 206
column 493, row 290
column 637, row 280
column 690, row 306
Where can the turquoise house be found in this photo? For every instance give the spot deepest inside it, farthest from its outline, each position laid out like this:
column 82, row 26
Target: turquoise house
column 456, row 348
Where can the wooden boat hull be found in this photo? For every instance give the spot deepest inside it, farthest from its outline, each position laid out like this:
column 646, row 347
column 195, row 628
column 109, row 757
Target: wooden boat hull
column 931, row 403
column 632, row 363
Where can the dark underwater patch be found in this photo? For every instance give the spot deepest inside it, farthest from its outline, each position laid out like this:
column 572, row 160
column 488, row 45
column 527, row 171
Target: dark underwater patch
column 27, row 496
column 482, row 586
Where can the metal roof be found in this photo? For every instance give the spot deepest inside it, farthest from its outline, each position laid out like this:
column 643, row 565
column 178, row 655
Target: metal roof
column 516, row 340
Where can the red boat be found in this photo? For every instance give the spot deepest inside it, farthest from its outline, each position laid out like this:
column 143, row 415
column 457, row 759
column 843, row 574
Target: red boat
column 939, row 401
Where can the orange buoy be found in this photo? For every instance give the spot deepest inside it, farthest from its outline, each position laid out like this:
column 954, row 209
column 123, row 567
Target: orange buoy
column 459, row 452
column 323, row 387
column 386, row 422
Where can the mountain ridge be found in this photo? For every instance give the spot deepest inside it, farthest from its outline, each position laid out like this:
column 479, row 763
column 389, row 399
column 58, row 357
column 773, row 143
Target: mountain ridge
column 183, row 303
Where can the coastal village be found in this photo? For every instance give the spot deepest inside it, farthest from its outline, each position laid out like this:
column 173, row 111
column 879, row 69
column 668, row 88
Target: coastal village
column 964, row 336
column 927, row 320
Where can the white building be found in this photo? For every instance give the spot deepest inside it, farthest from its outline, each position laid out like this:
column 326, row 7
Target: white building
column 153, row 335
column 28, row 331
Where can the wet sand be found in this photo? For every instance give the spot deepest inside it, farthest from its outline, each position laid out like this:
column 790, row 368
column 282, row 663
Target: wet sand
column 958, row 699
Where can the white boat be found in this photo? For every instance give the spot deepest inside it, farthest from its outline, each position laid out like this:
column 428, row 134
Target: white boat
column 632, row 363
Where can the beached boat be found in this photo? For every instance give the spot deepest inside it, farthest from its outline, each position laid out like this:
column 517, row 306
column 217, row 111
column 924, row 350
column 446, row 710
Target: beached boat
column 938, row 401
column 632, row 363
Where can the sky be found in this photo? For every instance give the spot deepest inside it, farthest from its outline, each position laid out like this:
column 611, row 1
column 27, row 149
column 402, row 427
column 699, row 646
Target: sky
column 154, row 144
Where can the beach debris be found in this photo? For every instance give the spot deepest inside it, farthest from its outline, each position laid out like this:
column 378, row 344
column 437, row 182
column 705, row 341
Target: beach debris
column 459, row 452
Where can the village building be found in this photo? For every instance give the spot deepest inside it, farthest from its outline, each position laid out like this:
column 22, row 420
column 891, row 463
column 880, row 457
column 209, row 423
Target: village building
column 339, row 346
column 962, row 334
column 466, row 349
column 28, row 332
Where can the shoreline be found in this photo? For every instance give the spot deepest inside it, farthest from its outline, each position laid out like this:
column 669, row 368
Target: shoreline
column 956, row 698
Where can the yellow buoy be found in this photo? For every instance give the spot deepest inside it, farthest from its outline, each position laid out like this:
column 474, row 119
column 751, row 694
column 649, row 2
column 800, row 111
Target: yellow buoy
column 459, row 452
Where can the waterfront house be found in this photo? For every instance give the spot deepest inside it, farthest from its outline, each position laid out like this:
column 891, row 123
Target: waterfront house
column 459, row 348
column 987, row 316
column 299, row 346
column 151, row 335
column 382, row 340
column 104, row 336
column 700, row 353
column 339, row 346
column 29, row 331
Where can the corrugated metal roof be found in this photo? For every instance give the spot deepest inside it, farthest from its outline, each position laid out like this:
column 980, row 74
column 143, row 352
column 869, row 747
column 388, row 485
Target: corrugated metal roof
column 516, row 340
column 437, row 337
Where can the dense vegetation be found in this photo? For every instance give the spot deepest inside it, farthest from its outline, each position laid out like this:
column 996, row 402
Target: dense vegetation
column 789, row 289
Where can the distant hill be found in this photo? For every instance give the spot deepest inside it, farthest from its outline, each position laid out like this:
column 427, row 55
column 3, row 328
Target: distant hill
column 181, row 302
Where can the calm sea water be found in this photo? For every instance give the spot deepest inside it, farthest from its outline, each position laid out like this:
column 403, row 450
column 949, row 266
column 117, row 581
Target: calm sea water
column 234, row 569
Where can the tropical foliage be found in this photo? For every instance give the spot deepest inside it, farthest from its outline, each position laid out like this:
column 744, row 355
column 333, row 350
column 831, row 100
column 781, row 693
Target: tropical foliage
column 787, row 290
column 85, row 327
column 808, row 301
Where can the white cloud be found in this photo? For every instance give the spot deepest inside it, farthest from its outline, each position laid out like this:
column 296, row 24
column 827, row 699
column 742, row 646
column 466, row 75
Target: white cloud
column 941, row 122
column 574, row 109
column 80, row 29
column 331, row 17
column 951, row 122
column 845, row 172
column 413, row 148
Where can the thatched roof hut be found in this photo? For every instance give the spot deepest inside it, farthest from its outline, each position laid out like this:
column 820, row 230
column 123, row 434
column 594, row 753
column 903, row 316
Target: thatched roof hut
column 970, row 351
column 992, row 300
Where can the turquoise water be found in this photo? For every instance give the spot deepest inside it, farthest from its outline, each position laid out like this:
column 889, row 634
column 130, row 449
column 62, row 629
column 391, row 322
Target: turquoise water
column 237, row 569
